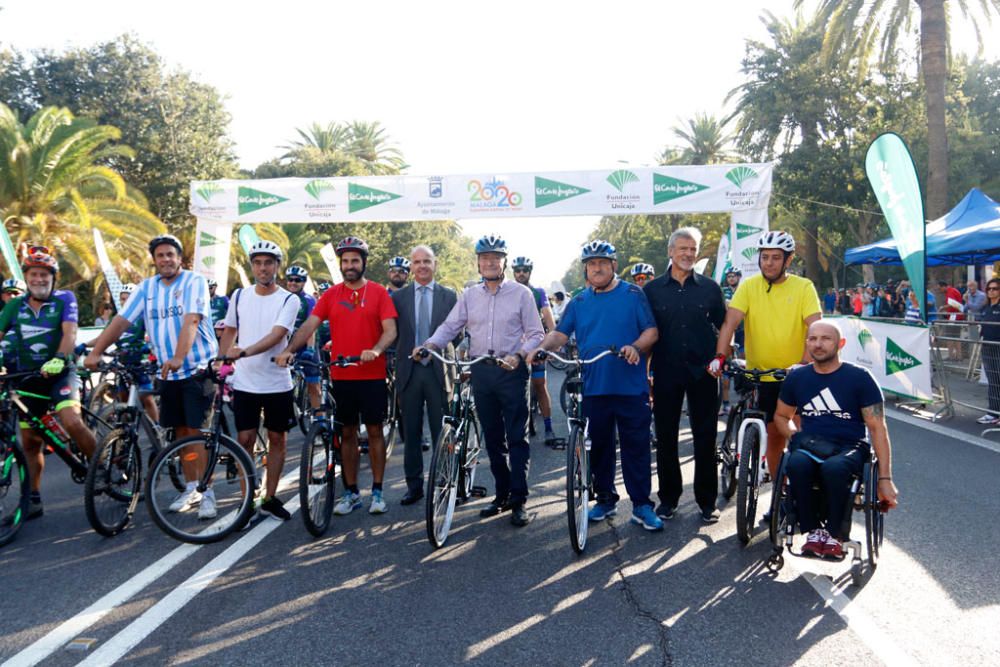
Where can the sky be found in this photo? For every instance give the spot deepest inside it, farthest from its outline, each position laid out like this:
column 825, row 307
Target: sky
column 460, row 86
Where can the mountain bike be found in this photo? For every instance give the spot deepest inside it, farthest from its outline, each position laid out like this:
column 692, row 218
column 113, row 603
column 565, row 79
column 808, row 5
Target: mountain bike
column 579, row 480
column 234, row 486
column 456, row 454
column 743, row 467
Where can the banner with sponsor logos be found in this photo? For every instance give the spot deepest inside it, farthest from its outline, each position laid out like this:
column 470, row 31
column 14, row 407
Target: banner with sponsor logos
column 743, row 190
column 211, row 251
column 107, row 268
column 898, row 355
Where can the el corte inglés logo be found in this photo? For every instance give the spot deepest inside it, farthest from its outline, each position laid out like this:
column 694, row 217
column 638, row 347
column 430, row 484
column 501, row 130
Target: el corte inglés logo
column 317, row 187
column 549, row 192
column 743, row 231
column 251, row 200
column 208, row 190
column 666, row 188
column 898, row 360
column 360, row 197
column 739, row 175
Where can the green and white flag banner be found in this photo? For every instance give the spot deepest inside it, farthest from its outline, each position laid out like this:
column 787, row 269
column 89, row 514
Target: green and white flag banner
column 211, row 251
column 10, row 255
column 722, row 257
column 329, row 255
column 108, row 269
column 898, row 355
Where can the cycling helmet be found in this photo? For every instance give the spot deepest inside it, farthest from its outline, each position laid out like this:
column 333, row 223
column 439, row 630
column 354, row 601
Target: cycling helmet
column 266, row 248
column 323, row 286
column 352, row 243
column 38, row 256
column 778, row 240
column 169, row 239
column 522, row 263
column 597, row 250
column 400, row 263
column 128, row 288
column 734, row 271
column 212, row 282
column 641, row 269
column 14, row 285
column 491, row 243
column 296, row 272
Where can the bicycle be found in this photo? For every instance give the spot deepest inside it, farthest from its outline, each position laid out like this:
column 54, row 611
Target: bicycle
column 579, row 479
column 14, row 476
column 234, row 491
column 321, row 455
column 112, row 487
column 456, row 454
column 743, row 468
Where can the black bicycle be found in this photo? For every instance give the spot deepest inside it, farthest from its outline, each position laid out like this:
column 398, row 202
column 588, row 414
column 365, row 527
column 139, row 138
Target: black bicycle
column 743, row 468
column 321, row 454
column 223, row 474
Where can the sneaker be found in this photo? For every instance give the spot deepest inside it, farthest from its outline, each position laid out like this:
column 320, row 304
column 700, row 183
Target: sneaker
column 275, row 508
column 35, row 510
column 645, row 517
column 550, row 438
column 815, row 543
column 186, row 500
column 709, row 515
column 377, row 505
column 724, row 410
column 666, row 512
column 206, row 508
column 987, row 419
column 602, row 511
column 348, row 503
column 832, row 548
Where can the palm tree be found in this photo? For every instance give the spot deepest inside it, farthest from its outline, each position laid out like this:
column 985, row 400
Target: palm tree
column 859, row 26
column 370, row 144
column 55, row 189
column 706, row 140
column 304, row 243
column 330, row 139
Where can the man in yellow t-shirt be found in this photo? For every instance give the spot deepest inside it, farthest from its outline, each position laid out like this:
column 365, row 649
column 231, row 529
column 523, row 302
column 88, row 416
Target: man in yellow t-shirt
column 778, row 309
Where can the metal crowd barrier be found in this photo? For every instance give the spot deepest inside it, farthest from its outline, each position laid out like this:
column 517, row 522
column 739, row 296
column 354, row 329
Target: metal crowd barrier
column 961, row 361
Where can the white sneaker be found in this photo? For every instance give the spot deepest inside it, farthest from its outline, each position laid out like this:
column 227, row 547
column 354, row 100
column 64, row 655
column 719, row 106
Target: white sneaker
column 189, row 497
column 987, row 419
column 206, row 510
column 348, row 503
column 378, row 505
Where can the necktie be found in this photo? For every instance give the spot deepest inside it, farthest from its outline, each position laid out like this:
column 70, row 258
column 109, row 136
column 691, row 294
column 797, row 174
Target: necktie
column 423, row 317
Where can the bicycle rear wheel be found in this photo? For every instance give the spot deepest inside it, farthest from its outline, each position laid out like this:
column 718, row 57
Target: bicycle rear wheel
column 232, row 485
column 577, row 488
column 114, row 477
column 747, row 486
column 390, row 425
column 469, row 460
column 301, row 402
column 317, row 478
column 14, row 491
column 442, row 487
column 727, row 456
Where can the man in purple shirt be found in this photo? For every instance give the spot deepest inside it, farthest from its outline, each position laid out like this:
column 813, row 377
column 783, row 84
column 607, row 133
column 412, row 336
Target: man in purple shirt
column 502, row 320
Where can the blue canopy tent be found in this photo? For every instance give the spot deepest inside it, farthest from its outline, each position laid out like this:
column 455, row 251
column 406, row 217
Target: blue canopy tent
column 967, row 234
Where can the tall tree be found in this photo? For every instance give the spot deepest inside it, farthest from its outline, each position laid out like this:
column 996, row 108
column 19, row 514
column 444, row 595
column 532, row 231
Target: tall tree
column 54, row 189
column 705, row 140
column 859, row 27
column 330, row 138
column 370, row 144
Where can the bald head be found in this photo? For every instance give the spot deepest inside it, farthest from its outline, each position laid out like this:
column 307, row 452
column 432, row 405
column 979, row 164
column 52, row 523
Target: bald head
column 823, row 342
column 423, row 264
column 827, row 326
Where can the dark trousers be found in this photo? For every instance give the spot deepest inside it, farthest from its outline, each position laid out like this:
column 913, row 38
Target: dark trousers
column 834, row 475
column 703, row 411
column 991, row 364
column 502, row 406
column 630, row 415
column 422, row 390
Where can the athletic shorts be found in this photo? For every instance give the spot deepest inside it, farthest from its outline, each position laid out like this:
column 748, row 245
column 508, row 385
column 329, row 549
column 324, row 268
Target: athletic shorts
column 309, row 372
column 279, row 414
column 767, row 399
column 538, row 370
column 360, row 401
column 62, row 392
column 187, row 402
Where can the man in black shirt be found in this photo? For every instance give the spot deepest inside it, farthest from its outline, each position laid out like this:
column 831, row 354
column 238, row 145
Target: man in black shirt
column 689, row 310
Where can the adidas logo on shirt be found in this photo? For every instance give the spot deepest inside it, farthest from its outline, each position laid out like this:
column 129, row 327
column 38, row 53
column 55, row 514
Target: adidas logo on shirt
column 824, row 403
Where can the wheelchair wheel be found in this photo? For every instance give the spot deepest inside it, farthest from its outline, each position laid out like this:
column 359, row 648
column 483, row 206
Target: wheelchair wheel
column 747, row 486
column 779, row 497
column 874, row 517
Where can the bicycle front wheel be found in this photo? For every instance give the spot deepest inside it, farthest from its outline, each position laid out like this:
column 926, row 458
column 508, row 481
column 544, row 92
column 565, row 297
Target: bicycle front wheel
column 442, row 487
column 577, row 488
column 201, row 516
column 317, row 478
column 14, row 490
column 114, row 477
column 391, row 423
column 469, row 459
column 727, row 456
column 747, row 486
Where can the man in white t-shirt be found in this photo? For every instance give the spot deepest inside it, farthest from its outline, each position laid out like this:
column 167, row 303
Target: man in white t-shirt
column 259, row 323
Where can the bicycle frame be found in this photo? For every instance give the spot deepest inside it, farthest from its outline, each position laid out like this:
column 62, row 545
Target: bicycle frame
column 63, row 449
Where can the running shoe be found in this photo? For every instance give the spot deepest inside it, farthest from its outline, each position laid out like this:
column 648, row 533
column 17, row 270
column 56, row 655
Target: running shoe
column 275, row 508
column 602, row 511
column 832, row 548
column 206, row 509
column 348, row 503
column 815, row 543
column 189, row 497
column 377, row 505
column 988, row 419
column 645, row 517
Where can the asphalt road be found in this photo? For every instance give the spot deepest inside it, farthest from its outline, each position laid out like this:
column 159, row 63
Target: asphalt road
column 373, row 591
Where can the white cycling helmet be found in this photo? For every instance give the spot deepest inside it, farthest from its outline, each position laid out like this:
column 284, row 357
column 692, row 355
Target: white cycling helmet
column 296, row 272
column 776, row 240
column 128, row 288
column 641, row 269
column 266, row 248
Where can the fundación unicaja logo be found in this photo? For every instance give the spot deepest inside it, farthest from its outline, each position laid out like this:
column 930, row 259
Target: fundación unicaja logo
column 316, row 187
column 898, row 360
column 749, row 253
column 667, row 188
column 619, row 179
column 740, row 175
column 207, row 239
column 548, row 191
column 208, row 190
column 360, row 197
column 864, row 337
column 251, row 200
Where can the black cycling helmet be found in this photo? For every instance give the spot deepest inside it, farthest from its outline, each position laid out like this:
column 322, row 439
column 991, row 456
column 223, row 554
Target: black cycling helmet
column 169, row 239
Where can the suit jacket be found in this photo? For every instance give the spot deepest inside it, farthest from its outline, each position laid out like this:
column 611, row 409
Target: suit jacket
column 443, row 300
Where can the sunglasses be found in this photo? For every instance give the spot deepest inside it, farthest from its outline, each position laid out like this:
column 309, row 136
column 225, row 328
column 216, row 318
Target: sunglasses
column 522, row 270
column 36, row 249
column 296, row 280
column 991, row 289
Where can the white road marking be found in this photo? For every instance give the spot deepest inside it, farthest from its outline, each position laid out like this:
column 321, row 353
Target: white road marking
column 944, row 430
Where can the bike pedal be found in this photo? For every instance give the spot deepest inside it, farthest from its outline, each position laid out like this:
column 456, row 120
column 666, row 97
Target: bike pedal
column 478, row 492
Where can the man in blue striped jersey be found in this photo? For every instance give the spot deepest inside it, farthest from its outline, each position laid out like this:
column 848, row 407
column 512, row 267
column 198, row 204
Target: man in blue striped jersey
column 174, row 305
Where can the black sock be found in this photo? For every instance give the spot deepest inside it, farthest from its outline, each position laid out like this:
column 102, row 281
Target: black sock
column 353, row 488
column 376, row 486
column 36, row 497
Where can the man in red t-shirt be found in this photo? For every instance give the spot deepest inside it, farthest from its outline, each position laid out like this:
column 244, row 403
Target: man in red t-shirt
column 362, row 323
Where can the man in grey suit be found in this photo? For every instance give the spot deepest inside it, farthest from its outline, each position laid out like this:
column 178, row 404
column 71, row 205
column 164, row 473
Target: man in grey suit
column 422, row 306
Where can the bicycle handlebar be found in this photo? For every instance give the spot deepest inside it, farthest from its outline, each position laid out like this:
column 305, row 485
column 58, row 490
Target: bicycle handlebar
column 425, row 352
column 543, row 355
column 339, row 362
column 733, row 369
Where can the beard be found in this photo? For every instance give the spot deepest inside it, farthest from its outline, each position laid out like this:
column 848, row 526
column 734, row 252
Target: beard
column 353, row 275
column 397, row 282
